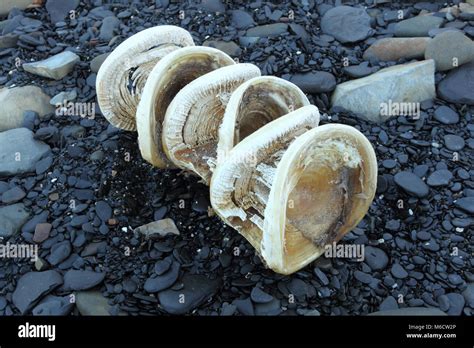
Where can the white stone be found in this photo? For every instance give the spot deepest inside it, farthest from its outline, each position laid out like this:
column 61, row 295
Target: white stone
column 55, row 67
column 406, row 83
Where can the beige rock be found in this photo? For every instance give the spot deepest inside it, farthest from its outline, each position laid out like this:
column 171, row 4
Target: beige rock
column 406, row 83
column 7, row 5
column 93, row 303
column 393, row 49
column 454, row 10
column 160, row 227
column 15, row 101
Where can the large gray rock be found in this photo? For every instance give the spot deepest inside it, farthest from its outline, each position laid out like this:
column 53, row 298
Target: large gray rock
column 19, row 152
column 12, row 217
column 55, row 67
column 458, row 85
column 7, row 5
column 15, row 101
column 449, row 50
column 407, row 83
column 393, row 49
column 417, row 26
column 32, row 286
column 347, row 24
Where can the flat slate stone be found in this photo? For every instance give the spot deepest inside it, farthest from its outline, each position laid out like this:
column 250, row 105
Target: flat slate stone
column 446, row 115
column 55, row 67
column 242, row 19
column 376, row 258
column 12, row 218
column 32, row 286
column 13, row 195
column 440, row 177
column 458, row 86
column 412, row 184
column 466, row 204
column 20, row 151
column 314, row 81
column 271, row 308
column 267, row 30
column 259, row 296
column 54, row 305
column 82, row 280
column 161, row 282
column 196, row 290
column 417, row 26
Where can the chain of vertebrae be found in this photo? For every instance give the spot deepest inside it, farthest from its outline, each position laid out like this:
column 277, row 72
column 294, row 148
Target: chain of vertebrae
column 289, row 186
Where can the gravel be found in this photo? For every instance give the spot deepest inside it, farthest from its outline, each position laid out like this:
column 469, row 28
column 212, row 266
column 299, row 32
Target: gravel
column 74, row 194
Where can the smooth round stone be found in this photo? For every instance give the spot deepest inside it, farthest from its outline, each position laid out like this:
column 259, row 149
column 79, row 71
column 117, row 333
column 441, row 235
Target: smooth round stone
column 393, row 225
column 449, row 50
column 259, row 296
column 423, row 235
column 376, row 258
column 347, row 24
column 458, row 86
column 412, row 184
column 456, row 302
column 363, row 277
column 466, row 204
column 454, row 142
column 162, row 266
column 420, row 170
column 446, row 115
column 389, row 164
column 398, row 271
column 455, row 279
column 158, row 283
column 440, row 177
column 463, row 174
